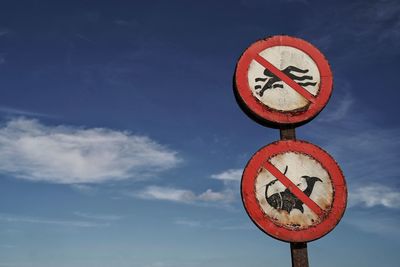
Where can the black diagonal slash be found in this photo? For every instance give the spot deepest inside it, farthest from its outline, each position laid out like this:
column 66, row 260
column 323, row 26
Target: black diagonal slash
column 294, row 189
column 278, row 73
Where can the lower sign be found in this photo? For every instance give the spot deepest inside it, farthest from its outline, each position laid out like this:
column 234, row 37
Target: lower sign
column 294, row 191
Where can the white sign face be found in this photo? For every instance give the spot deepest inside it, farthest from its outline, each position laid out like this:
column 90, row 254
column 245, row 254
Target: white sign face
column 282, row 206
column 275, row 93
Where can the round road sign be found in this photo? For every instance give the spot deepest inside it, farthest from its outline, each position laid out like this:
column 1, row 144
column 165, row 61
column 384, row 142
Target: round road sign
column 294, row 191
column 282, row 80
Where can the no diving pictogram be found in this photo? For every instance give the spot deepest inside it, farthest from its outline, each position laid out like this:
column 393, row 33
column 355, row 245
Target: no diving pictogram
column 294, row 191
column 282, row 80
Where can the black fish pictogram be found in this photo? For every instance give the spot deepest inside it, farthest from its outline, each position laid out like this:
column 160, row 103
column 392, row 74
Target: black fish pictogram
column 272, row 81
column 286, row 200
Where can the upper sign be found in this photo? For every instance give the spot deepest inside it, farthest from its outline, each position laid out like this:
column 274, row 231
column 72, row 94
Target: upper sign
column 294, row 191
column 282, row 80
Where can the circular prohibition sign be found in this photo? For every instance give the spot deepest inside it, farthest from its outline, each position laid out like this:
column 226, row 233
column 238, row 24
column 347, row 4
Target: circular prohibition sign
column 282, row 80
column 294, row 191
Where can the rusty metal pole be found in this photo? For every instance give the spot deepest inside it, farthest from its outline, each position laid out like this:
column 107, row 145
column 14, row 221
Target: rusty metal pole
column 299, row 254
column 298, row 251
column 288, row 134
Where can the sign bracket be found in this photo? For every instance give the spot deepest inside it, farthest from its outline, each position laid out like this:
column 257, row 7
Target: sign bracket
column 287, row 133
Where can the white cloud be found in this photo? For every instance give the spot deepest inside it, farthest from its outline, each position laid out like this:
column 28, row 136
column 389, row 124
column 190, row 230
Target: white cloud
column 35, row 220
column 229, row 175
column 375, row 195
column 166, row 193
column 184, row 195
column 73, row 155
column 210, row 195
column 230, row 179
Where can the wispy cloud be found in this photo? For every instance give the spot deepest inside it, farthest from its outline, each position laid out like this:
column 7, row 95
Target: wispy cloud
column 367, row 152
column 36, row 220
column 229, row 175
column 159, row 264
column 375, row 195
column 21, row 112
column 223, row 196
column 188, row 223
column 3, row 32
column 101, row 217
column 230, row 179
column 375, row 222
column 343, row 107
column 224, row 225
column 370, row 25
column 73, row 155
column 183, row 195
column 166, row 193
column 84, row 189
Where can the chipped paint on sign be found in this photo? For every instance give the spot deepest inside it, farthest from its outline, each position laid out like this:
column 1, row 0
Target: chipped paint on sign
column 282, row 80
column 294, row 191
column 275, row 93
column 298, row 167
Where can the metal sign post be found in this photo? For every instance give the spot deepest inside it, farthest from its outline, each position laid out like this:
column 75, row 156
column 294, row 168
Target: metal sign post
column 299, row 254
column 292, row 190
column 298, row 251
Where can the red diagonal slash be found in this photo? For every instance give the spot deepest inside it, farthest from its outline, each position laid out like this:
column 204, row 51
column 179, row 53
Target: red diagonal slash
column 293, row 188
column 299, row 89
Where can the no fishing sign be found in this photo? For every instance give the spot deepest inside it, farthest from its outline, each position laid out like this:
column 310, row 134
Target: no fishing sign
column 294, row 191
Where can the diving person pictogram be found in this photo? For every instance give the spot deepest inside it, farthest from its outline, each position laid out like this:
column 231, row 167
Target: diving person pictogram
column 272, row 81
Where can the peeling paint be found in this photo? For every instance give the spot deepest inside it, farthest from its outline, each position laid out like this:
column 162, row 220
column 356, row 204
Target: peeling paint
column 294, row 191
column 298, row 165
column 283, row 98
column 282, row 80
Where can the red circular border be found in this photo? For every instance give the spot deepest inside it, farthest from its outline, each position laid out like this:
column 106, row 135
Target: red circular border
column 332, row 217
column 269, row 115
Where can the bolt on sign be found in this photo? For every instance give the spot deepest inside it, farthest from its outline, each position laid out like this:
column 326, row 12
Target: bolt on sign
column 294, row 191
column 282, row 80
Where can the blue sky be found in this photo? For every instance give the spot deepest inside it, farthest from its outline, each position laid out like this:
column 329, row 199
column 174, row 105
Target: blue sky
column 121, row 143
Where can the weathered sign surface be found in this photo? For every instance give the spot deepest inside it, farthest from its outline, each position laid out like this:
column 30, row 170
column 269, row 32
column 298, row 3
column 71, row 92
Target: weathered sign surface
column 282, row 80
column 294, row 191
